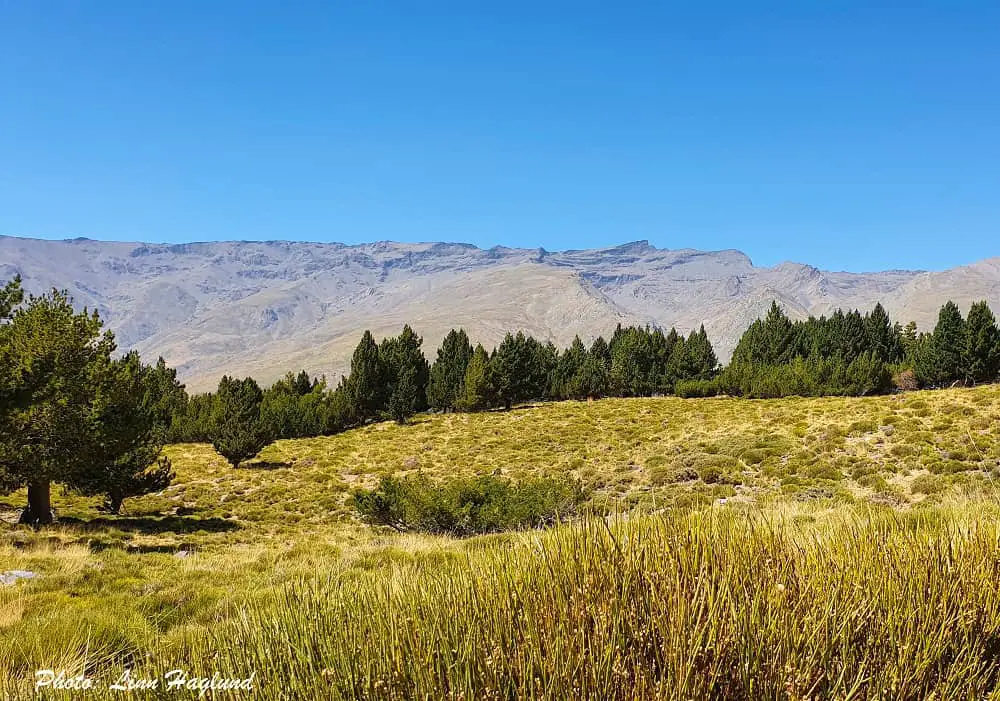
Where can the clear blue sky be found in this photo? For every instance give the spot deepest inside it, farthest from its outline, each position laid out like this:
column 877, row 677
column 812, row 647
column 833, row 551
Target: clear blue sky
column 824, row 132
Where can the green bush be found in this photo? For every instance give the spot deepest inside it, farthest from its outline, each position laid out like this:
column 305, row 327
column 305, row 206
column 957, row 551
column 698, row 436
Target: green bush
column 466, row 507
column 927, row 484
column 690, row 389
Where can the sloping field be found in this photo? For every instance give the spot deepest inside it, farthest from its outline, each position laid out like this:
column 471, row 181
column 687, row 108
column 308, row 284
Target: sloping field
column 796, row 548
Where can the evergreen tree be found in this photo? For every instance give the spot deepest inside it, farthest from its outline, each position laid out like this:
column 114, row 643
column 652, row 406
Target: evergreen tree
column 302, row 385
column 448, row 371
column 237, row 431
column 853, row 336
column 50, row 360
column 367, row 381
column 340, row 408
column 165, row 395
column 778, row 336
column 546, row 357
column 909, row 341
column 11, row 295
column 867, row 374
column 476, row 388
column 634, row 370
column 882, row 338
column 127, row 422
column 751, row 349
column 940, row 361
column 405, row 373
column 981, row 350
column 565, row 380
column 403, row 398
column 192, row 419
column 680, row 366
column 591, row 381
column 700, row 356
column 280, row 412
column 518, row 369
column 599, row 350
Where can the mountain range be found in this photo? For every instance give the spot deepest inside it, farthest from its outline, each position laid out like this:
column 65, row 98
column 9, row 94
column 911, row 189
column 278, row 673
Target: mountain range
column 263, row 308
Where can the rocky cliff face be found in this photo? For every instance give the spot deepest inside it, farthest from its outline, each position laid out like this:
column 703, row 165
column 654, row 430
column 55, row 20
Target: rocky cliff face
column 264, row 308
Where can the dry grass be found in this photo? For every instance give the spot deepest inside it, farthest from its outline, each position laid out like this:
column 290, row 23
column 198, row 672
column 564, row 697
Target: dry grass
column 113, row 591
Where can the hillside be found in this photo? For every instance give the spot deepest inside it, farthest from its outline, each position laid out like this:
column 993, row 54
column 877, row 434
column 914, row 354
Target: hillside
column 264, row 308
column 742, row 495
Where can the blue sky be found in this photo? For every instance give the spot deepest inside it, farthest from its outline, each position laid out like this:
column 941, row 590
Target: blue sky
column 829, row 133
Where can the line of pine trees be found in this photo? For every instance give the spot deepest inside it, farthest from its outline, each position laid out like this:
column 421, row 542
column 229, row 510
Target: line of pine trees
column 393, row 380
column 849, row 353
column 846, row 353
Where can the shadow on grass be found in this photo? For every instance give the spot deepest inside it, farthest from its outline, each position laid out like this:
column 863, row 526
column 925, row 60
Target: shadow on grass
column 263, row 465
column 518, row 407
column 150, row 525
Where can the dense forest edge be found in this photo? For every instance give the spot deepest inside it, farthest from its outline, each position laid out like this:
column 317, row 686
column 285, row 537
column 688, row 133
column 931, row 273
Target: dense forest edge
column 74, row 413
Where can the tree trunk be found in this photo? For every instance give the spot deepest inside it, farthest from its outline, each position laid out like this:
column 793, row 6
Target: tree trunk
column 39, row 509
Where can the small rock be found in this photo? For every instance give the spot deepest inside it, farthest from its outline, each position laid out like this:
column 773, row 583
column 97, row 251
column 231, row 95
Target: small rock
column 411, row 462
column 182, row 553
column 11, row 576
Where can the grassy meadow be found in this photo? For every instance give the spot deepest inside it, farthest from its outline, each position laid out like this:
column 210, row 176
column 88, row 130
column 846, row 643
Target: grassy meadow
column 793, row 548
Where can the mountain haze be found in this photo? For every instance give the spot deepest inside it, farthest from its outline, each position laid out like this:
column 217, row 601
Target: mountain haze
column 262, row 308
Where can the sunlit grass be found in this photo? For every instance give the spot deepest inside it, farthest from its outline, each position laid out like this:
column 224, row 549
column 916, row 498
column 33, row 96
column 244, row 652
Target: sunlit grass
column 274, row 557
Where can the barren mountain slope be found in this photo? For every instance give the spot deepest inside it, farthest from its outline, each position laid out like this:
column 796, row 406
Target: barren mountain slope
column 264, row 308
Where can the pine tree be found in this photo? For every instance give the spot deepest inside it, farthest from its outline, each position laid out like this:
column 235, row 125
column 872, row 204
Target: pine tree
column 302, row 384
column 909, row 341
column 591, row 381
column 940, row 361
column 634, row 370
column 237, row 431
column 518, row 369
column 867, row 374
column 882, row 338
column 565, row 383
column 165, row 395
column 340, row 409
column 367, row 381
column 981, row 349
column 778, row 336
column 11, row 295
column 403, row 398
column 405, row 373
column 599, row 350
column 448, row 372
column 700, row 356
column 751, row 349
column 50, row 357
column 128, row 426
column 546, row 357
column 853, row 337
column 476, row 388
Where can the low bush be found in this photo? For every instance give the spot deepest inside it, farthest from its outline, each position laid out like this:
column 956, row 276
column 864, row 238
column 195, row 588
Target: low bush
column 470, row 506
column 691, row 389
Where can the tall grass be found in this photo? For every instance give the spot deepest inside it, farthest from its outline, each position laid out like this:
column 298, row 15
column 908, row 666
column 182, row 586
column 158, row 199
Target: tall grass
column 793, row 603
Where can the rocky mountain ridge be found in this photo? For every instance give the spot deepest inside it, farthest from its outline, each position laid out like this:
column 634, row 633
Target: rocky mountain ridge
column 262, row 308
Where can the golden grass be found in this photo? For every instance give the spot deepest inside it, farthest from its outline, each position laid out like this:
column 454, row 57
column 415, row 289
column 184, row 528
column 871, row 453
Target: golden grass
column 112, row 590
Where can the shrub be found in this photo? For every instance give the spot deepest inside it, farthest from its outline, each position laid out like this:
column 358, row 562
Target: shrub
column 665, row 474
column 465, row 507
column 711, row 474
column 690, row 389
column 927, row 484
